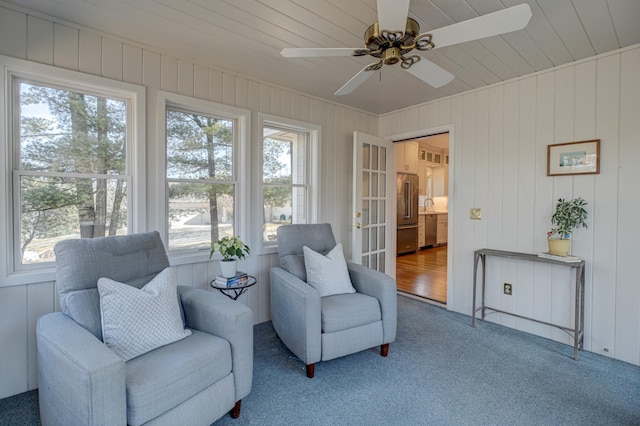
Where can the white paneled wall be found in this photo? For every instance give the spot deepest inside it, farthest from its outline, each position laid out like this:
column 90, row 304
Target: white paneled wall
column 44, row 40
column 499, row 160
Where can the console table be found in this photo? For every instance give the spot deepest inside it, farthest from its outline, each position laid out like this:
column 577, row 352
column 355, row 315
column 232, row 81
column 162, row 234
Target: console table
column 577, row 331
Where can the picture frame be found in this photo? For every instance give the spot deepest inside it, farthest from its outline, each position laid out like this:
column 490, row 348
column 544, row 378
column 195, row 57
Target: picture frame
column 574, row 158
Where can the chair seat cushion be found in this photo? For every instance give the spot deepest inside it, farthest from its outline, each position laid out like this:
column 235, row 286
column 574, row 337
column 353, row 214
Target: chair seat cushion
column 343, row 311
column 167, row 376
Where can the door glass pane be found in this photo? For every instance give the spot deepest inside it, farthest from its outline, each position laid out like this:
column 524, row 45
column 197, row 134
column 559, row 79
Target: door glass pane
column 374, row 261
column 382, row 210
column 374, row 212
column 374, row 238
column 374, row 157
column 365, row 155
column 365, row 184
column 382, row 182
column 374, row 184
column 381, row 261
column 381, row 237
column 383, row 159
column 365, row 261
column 365, row 212
column 365, row 241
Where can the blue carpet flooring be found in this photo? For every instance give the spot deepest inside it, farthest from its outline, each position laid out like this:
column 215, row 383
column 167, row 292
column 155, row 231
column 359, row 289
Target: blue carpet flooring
column 440, row 371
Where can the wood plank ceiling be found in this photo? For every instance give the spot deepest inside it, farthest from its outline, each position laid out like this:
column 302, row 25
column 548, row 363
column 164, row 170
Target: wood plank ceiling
column 246, row 36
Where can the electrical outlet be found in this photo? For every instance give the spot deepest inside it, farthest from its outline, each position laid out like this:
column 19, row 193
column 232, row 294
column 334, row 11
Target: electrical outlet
column 508, row 289
column 475, row 214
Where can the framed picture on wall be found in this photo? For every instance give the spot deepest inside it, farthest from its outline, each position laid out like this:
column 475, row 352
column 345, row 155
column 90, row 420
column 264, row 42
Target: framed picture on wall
column 574, row 158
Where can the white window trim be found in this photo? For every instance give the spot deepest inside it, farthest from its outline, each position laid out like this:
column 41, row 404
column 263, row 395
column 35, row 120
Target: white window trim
column 240, row 164
column 313, row 162
column 13, row 67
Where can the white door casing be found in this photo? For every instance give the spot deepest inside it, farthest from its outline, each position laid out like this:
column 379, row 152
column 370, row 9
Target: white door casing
column 374, row 221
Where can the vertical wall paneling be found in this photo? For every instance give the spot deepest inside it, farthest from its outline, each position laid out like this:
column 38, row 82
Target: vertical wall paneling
column 276, row 101
column 229, row 89
column 493, row 209
column 65, row 47
column 39, row 39
column 89, row 53
column 628, row 291
column 40, row 301
column 111, row 59
column 543, row 199
column 200, row 82
column 13, row 33
column 215, row 86
column 561, row 294
column 185, row 78
column 242, row 92
column 593, row 98
column 604, row 261
column 525, row 202
column 169, row 74
column 13, row 340
column 132, row 64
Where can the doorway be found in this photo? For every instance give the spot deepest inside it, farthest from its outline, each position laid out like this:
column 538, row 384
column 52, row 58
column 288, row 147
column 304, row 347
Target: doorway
column 422, row 273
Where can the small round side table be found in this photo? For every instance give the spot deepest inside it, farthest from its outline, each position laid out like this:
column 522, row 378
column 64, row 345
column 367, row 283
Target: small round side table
column 234, row 291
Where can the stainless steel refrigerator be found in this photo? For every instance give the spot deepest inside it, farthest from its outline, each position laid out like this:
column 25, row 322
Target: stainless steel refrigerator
column 407, row 213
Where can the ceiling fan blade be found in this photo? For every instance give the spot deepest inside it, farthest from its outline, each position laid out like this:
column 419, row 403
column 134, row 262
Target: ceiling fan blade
column 500, row 22
column 430, row 73
column 355, row 81
column 392, row 15
column 312, row 52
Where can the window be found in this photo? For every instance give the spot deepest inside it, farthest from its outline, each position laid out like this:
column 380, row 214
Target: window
column 203, row 189
column 289, row 175
column 71, row 146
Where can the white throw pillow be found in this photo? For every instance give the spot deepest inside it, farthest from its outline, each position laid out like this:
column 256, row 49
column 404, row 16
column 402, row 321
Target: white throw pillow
column 136, row 321
column 327, row 274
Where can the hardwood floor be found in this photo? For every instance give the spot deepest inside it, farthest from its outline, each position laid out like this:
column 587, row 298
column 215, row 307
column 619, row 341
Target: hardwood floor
column 424, row 273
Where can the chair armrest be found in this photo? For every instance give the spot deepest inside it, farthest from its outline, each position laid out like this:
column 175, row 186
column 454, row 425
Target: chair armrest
column 81, row 381
column 295, row 314
column 382, row 287
column 215, row 313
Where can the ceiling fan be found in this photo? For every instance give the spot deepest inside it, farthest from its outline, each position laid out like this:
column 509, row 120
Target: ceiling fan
column 395, row 36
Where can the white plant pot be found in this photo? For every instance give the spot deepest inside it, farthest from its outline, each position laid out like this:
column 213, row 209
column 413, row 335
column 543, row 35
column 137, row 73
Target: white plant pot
column 228, row 268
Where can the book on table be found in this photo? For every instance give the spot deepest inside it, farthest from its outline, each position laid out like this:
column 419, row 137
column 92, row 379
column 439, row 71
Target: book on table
column 238, row 279
column 568, row 259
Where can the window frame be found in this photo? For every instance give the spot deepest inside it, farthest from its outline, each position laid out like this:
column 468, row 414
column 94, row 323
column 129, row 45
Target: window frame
column 242, row 118
column 312, row 172
column 50, row 76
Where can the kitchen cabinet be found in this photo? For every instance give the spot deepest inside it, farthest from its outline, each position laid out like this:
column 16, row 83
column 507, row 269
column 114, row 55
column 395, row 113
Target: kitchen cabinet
column 422, row 177
column 407, row 157
column 440, row 181
column 421, row 231
column 442, row 229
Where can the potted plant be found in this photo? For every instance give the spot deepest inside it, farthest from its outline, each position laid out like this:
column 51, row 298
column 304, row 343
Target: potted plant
column 567, row 216
column 231, row 249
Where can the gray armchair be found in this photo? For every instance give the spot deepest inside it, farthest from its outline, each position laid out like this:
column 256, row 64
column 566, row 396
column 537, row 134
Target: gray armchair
column 193, row 381
column 318, row 328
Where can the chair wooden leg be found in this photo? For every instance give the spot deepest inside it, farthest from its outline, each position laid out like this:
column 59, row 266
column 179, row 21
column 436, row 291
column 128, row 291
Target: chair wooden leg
column 235, row 411
column 311, row 370
column 384, row 349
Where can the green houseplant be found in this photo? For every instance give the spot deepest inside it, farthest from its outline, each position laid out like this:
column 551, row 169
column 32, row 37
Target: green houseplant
column 231, row 249
column 567, row 216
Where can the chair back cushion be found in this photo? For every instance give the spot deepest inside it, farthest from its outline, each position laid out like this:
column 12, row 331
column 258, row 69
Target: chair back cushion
column 291, row 240
column 132, row 259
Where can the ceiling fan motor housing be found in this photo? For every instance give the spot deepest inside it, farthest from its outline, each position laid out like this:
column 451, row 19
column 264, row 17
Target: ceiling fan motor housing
column 376, row 39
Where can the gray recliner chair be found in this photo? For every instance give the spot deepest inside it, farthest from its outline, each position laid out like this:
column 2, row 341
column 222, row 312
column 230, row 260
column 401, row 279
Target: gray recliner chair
column 318, row 328
column 193, row 381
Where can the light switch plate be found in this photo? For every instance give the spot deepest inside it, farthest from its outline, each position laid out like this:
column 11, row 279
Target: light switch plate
column 475, row 213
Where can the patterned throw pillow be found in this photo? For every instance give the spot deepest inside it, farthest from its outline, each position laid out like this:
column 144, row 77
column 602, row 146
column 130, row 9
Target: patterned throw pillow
column 136, row 321
column 327, row 274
